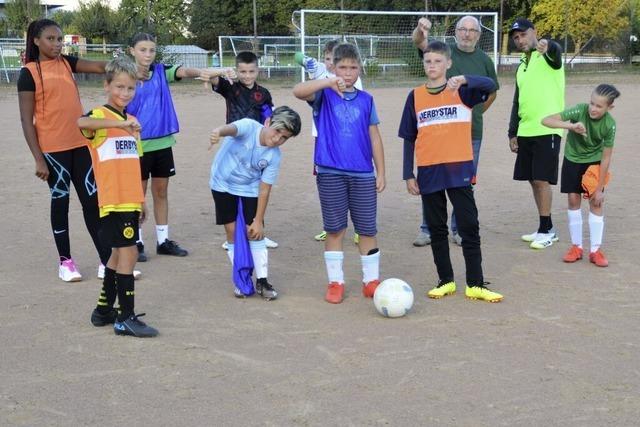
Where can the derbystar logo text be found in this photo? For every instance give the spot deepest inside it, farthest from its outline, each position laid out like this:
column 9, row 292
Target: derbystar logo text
column 442, row 113
column 124, row 146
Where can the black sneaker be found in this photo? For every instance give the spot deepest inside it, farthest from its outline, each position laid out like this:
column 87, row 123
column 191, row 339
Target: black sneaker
column 265, row 290
column 134, row 327
column 99, row 319
column 142, row 257
column 169, row 247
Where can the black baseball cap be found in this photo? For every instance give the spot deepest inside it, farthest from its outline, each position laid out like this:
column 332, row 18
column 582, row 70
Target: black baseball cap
column 520, row 24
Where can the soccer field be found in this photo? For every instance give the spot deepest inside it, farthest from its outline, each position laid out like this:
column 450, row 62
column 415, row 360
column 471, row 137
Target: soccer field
column 562, row 349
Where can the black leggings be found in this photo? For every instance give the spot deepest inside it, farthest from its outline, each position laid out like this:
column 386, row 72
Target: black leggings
column 66, row 167
column 464, row 205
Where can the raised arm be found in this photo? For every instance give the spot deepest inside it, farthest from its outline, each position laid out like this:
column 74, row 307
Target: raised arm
column 555, row 121
column 420, row 35
column 307, row 90
column 93, row 67
column 220, row 132
column 91, row 124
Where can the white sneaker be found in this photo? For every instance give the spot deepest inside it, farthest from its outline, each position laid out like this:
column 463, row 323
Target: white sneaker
column 68, row 272
column 544, row 240
column 225, row 246
column 529, row 237
column 270, row 243
column 136, row 273
column 423, row 239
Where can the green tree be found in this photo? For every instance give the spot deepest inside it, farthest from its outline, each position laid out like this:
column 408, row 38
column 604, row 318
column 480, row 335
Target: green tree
column 65, row 18
column 20, row 13
column 95, row 20
column 165, row 19
column 581, row 20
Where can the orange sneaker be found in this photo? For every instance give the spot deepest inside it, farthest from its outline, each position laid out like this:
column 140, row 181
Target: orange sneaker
column 598, row 258
column 370, row 288
column 335, row 293
column 573, row 254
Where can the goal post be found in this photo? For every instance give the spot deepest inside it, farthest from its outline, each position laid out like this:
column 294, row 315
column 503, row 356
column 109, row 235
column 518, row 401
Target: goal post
column 384, row 38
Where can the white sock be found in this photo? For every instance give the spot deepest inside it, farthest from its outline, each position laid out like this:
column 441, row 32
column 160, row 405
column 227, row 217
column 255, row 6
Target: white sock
column 140, row 236
column 370, row 267
column 230, row 249
column 333, row 260
column 596, row 229
column 575, row 226
column 260, row 257
column 162, row 233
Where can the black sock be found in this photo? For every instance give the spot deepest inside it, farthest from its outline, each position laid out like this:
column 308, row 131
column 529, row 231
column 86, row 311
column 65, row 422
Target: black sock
column 125, row 295
column 545, row 224
column 108, row 293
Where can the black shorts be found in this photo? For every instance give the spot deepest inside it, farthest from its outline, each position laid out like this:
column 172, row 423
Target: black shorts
column 571, row 176
column 119, row 229
column 227, row 207
column 157, row 163
column 538, row 158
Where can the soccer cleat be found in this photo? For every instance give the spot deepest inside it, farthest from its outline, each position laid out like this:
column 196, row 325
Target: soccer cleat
column 270, row 243
column 265, row 290
column 481, row 292
column 544, row 240
column 455, row 238
column 598, row 258
column 369, row 288
column 238, row 293
column 529, row 237
column 573, row 254
column 321, row 237
column 142, row 257
column 136, row 273
column 170, row 247
column 442, row 290
column 225, row 246
column 68, row 272
column 422, row 239
column 99, row 319
column 134, row 327
column 335, row 293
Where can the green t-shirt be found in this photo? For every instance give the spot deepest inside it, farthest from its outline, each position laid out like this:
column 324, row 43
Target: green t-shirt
column 600, row 133
column 475, row 63
column 156, row 144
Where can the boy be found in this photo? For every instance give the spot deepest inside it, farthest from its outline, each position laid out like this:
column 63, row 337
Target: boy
column 436, row 128
column 245, row 99
column 323, row 70
column 347, row 147
column 115, row 153
column 245, row 167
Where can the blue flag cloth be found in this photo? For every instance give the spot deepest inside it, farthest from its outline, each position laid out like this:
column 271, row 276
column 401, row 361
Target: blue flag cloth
column 242, row 259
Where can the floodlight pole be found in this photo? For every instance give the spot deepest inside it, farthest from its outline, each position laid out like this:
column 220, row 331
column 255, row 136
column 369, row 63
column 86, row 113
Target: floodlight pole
column 255, row 28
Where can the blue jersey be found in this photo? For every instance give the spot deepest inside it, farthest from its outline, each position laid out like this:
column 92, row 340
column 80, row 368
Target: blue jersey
column 343, row 141
column 242, row 163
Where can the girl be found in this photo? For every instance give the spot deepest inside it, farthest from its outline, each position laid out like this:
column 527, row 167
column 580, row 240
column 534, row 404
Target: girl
column 49, row 109
column 153, row 107
column 590, row 139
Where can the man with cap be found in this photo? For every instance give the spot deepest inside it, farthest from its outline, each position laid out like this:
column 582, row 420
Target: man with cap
column 539, row 92
column 466, row 59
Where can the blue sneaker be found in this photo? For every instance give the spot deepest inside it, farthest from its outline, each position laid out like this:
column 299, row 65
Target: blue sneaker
column 134, row 327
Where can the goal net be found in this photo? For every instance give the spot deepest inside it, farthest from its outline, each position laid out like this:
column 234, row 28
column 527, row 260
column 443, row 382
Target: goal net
column 384, row 38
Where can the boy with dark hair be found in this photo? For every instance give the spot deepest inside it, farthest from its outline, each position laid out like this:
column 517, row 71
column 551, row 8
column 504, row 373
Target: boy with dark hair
column 114, row 142
column 436, row 128
column 347, row 148
column 245, row 98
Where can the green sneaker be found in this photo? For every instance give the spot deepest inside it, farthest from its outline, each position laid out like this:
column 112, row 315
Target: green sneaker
column 481, row 292
column 442, row 290
column 321, row 237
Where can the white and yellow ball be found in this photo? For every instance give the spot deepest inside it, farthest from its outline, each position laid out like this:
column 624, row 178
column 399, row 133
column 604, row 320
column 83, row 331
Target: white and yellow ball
column 393, row 298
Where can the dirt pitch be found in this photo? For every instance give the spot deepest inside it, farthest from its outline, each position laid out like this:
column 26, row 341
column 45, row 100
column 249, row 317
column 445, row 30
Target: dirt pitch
column 563, row 348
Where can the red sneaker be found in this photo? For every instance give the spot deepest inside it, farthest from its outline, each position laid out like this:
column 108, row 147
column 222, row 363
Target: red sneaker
column 598, row 258
column 335, row 293
column 573, row 254
column 370, row 288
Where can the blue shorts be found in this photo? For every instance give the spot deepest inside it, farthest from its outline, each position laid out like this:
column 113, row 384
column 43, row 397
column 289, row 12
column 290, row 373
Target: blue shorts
column 340, row 194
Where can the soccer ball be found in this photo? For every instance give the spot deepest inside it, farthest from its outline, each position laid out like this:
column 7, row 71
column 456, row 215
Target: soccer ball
column 393, row 298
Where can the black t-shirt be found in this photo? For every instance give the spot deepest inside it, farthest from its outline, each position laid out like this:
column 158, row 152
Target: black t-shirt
column 25, row 79
column 243, row 102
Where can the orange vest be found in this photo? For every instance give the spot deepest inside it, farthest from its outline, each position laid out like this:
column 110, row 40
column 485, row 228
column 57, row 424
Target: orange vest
column 57, row 106
column 116, row 163
column 444, row 128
